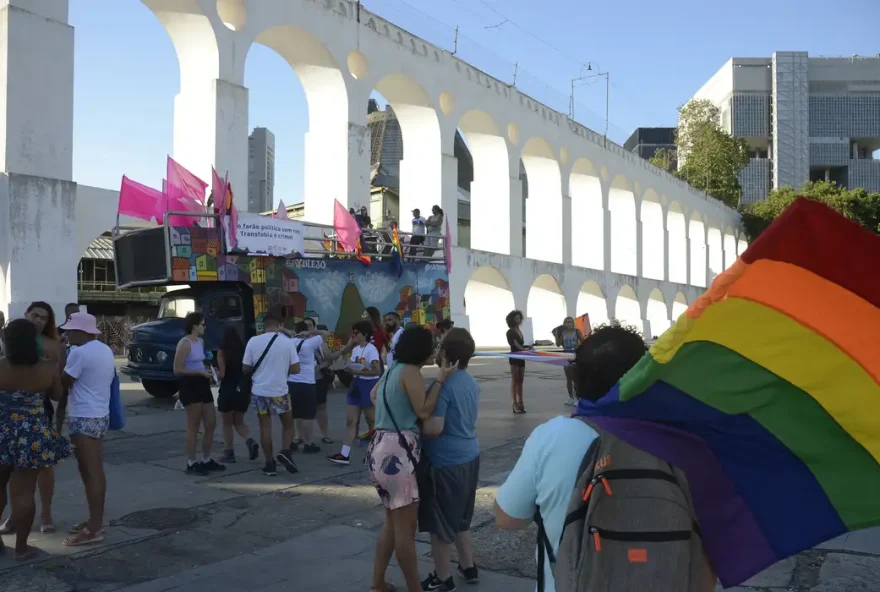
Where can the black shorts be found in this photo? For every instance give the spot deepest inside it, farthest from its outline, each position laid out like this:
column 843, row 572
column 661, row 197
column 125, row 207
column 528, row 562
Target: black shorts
column 323, row 387
column 450, row 510
column 517, row 362
column 303, row 400
column 195, row 389
column 229, row 399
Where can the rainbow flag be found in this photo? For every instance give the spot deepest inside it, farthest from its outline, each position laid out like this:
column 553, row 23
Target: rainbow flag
column 766, row 392
column 396, row 252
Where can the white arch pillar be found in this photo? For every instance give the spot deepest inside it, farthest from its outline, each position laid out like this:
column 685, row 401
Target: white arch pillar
column 665, row 222
column 606, row 232
column 687, row 246
column 449, row 181
column 358, row 147
column 639, row 238
column 566, row 219
column 517, row 248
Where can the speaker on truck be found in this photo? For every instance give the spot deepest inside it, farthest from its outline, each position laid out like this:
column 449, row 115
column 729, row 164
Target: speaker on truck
column 141, row 257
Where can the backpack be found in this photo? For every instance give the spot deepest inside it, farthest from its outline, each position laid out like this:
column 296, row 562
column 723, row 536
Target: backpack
column 630, row 525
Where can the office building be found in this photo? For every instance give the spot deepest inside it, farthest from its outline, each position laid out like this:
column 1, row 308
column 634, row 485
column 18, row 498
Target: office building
column 645, row 141
column 261, row 170
column 805, row 118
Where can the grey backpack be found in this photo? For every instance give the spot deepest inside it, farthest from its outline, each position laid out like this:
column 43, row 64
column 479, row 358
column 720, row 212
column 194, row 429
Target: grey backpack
column 630, row 526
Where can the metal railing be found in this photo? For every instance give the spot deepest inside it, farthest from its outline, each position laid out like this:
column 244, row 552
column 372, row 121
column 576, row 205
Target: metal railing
column 95, row 290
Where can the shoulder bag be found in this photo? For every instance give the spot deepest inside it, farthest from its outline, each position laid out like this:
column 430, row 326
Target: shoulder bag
column 247, row 380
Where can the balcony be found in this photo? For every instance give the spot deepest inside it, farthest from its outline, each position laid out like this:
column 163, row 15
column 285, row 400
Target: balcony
column 103, row 291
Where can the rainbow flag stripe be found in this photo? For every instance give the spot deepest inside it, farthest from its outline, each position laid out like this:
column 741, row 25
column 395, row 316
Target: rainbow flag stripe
column 766, row 392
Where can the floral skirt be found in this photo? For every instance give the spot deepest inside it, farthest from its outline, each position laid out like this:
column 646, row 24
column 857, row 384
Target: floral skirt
column 28, row 440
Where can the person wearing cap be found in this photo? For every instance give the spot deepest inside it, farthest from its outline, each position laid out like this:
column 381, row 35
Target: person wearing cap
column 419, row 229
column 88, row 376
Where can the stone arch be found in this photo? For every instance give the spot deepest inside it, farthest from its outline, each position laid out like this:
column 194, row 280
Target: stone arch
column 490, row 189
column 587, row 216
column 715, row 247
column 676, row 227
column 679, row 305
column 657, row 313
column 545, row 306
column 697, row 237
column 325, row 166
column 653, row 237
column 729, row 246
column 622, row 207
column 420, row 167
column 544, row 202
column 591, row 300
column 627, row 310
column 488, row 298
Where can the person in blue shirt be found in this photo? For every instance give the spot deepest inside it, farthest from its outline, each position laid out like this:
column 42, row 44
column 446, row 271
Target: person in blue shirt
column 545, row 474
column 453, row 453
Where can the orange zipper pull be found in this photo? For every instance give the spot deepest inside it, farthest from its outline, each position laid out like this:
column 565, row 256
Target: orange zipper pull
column 597, row 542
column 605, row 484
column 588, row 491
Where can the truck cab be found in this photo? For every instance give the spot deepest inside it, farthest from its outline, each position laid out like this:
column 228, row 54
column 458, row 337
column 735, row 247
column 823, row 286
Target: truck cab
column 152, row 344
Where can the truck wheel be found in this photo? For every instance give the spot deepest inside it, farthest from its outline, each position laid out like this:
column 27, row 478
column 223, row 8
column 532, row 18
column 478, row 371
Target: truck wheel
column 161, row 389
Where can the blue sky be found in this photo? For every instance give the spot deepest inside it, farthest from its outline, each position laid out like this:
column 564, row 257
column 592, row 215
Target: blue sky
column 658, row 54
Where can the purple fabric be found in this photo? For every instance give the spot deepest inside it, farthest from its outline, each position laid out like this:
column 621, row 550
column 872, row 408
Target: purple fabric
column 731, row 535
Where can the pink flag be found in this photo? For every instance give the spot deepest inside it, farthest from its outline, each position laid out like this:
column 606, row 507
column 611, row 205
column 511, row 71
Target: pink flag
column 447, row 249
column 218, row 190
column 140, row 201
column 346, row 228
column 282, row 210
column 178, row 201
column 185, row 181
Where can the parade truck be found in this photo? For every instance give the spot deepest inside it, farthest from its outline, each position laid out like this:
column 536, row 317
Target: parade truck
column 289, row 269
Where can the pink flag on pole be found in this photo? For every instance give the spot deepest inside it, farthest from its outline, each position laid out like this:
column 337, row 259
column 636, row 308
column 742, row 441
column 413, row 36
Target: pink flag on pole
column 178, row 201
column 185, row 181
column 218, row 190
column 282, row 210
column 140, row 201
column 447, row 249
column 346, row 228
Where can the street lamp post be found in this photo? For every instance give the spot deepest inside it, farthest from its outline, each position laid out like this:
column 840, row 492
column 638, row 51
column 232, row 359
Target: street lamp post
column 598, row 73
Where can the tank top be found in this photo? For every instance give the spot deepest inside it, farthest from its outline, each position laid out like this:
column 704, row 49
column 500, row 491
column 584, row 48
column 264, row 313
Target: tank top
column 569, row 341
column 398, row 401
column 232, row 377
column 195, row 359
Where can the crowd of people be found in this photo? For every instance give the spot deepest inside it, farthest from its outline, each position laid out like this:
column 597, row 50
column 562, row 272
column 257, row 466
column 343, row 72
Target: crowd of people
column 426, row 237
column 49, row 374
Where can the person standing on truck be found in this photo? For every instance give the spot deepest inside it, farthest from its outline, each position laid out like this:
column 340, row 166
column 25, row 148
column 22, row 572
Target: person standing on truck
column 270, row 358
column 196, row 396
column 231, row 402
column 303, row 390
column 366, row 371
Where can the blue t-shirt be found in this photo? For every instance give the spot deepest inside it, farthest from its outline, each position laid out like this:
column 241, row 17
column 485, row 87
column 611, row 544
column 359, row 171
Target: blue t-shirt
column 544, row 477
column 458, row 403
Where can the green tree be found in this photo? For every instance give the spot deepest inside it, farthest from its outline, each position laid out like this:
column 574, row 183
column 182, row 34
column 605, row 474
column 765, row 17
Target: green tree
column 664, row 158
column 710, row 159
column 856, row 204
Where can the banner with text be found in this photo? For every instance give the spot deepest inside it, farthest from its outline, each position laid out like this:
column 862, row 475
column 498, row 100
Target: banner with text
column 262, row 235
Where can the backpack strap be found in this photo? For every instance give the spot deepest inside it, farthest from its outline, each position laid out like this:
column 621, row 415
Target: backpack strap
column 265, row 351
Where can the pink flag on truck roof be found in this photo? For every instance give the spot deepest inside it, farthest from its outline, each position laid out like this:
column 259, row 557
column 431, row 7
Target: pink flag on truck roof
column 346, row 228
column 140, row 201
column 282, row 210
column 181, row 179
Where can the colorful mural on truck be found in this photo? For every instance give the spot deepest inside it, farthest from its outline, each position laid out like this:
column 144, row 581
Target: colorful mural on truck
column 335, row 292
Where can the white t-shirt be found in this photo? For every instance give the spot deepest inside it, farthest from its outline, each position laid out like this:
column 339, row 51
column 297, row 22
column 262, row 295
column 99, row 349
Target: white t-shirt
column 365, row 355
column 307, row 359
column 270, row 379
column 93, row 368
column 418, row 225
column 389, row 358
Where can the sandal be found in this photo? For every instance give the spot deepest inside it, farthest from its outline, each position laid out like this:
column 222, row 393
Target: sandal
column 84, row 537
column 29, row 554
column 47, row 528
column 326, row 440
column 78, row 527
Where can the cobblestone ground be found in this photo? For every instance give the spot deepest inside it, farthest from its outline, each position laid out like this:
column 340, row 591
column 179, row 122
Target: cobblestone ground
column 161, row 523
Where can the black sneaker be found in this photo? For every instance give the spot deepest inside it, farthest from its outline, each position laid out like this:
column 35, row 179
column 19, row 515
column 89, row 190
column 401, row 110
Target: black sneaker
column 470, row 574
column 269, row 469
column 228, row 457
column 284, row 458
column 432, row 582
column 212, row 466
column 311, row 449
column 339, row 459
column 196, row 468
column 253, row 449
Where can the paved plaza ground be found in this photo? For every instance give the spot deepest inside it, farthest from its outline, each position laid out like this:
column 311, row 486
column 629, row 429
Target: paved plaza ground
column 315, row 531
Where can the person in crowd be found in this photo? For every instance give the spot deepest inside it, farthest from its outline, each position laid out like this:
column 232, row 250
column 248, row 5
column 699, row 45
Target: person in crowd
column 324, row 379
column 42, row 316
column 434, row 226
column 517, row 367
column 453, row 453
column 548, row 466
column 196, row 396
column 394, row 451
column 28, row 441
column 443, row 328
column 303, row 390
column 419, row 229
column 366, row 370
column 88, row 377
column 394, row 330
column 269, row 359
column 569, row 338
column 231, row 402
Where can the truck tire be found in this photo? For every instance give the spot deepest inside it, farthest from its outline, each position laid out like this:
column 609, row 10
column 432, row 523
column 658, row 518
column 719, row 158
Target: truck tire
column 161, row 389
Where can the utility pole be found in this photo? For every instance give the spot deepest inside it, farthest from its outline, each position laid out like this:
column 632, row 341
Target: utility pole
column 455, row 42
column 515, row 68
column 358, row 10
column 598, row 73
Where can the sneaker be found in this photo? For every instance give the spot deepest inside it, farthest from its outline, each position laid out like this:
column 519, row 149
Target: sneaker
column 213, row 466
column 196, row 468
column 253, row 449
column 228, row 457
column 284, row 458
column 294, row 446
column 470, row 574
column 269, row 469
column 339, row 459
column 311, row 449
column 367, row 436
column 432, row 582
